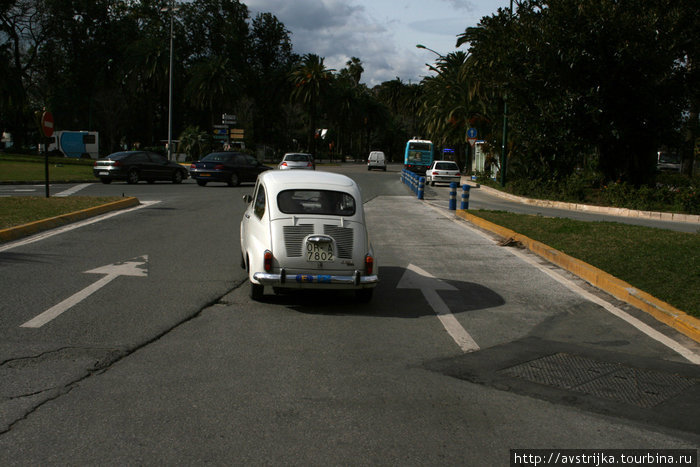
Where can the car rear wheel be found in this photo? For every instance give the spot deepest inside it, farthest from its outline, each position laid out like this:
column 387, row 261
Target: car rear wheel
column 256, row 291
column 106, row 181
column 177, row 177
column 234, row 180
column 132, row 177
column 202, row 182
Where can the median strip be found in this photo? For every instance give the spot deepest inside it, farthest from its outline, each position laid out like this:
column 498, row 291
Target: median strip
column 24, row 230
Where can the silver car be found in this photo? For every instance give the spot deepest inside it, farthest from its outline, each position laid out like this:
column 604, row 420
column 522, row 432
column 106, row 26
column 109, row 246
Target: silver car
column 307, row 230
column 297, row 160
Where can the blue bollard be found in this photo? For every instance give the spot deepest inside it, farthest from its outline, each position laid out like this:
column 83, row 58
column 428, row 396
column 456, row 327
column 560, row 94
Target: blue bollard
column 421, row 187
column 453, row 196
column 465, row 197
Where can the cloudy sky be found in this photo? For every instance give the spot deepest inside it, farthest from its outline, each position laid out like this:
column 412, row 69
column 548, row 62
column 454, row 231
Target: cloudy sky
column 382, row 33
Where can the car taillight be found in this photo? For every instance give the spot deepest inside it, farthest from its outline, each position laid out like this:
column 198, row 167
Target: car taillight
column 193, row 166
column 267, row 261
column 116, row 164
column 219, row 167
column 284, row 164
column 369, row 265
column 309, row 164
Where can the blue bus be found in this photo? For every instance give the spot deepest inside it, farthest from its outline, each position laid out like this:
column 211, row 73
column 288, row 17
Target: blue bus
column 418, row 155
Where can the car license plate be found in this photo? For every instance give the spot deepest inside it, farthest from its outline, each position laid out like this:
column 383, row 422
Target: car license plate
column 103, row 173
column 319, row 252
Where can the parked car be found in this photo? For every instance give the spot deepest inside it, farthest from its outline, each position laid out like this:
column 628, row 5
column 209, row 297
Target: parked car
column 376, row 160
column 134, row 166
column 307, row 230
column 232, row 168
column 297, row 160
column 442, row 172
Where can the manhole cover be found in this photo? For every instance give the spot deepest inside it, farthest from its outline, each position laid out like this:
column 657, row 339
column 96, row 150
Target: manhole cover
column 643, row 388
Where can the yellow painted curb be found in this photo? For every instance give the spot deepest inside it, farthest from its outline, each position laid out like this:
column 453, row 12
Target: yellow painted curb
column 13, row 233
column 662, row 311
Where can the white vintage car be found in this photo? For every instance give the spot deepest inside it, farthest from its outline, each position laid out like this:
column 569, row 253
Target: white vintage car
column 306, row 230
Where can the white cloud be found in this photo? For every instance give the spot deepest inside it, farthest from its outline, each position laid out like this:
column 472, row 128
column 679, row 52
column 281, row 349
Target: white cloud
column 381, row 33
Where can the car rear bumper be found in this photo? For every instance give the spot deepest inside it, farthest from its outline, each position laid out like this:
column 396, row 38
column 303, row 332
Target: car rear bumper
column 444, row 179
column 301, row 280
column 104, row 172
column 218, row 176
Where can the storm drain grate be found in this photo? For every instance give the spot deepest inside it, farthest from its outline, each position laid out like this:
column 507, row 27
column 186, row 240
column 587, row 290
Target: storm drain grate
column 643, row 388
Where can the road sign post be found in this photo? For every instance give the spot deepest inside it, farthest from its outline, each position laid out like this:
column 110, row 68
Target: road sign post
column 47, row 127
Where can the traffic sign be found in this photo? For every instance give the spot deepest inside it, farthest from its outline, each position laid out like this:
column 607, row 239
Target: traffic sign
column 237, row 133
column 472, row 141
column 47, row 124
column 229, row 119
column 471, row 133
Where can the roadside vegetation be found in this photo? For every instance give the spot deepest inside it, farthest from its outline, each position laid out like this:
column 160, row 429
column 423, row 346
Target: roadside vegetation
column 663, row 263
column 593, row 89
column 18, row 168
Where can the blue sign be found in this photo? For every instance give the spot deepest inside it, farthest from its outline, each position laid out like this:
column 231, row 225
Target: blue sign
column 471, row 133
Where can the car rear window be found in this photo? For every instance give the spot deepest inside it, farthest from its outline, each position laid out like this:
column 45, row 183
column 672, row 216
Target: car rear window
column 296, row 157
column 446, row 166
column 219, row 157
column 117, row 156
column 325, row 202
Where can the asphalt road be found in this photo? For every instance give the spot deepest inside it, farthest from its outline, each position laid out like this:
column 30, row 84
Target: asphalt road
column 468, row 349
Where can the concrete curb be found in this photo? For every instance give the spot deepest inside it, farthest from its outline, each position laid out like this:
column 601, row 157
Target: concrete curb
column 13, row 233
column 662, row 311
column 654, row 215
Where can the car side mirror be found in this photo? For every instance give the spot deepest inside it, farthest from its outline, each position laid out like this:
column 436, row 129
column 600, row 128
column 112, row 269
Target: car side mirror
column 247, row 198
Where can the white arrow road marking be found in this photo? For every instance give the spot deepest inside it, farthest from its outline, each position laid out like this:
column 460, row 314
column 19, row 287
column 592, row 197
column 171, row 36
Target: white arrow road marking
column 137, row 267
column 417, row 278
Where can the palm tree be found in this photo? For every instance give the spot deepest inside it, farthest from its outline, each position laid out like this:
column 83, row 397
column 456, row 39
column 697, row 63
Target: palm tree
column 311, row 80
column 451, row 101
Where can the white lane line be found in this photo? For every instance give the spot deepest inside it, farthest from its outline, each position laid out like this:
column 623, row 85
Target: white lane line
column 73, row 226
column 640, row 325
column 672, row 344
column 56, row 310
column 72, row 190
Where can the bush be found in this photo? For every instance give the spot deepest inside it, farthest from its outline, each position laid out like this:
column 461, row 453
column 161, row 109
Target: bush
column 672, row 192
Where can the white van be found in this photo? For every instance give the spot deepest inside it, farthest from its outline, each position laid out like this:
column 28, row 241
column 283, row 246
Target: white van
column 376, row 160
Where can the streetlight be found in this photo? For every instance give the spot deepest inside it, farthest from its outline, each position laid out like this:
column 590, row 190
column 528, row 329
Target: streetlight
column 170, row 84
column 421, row 46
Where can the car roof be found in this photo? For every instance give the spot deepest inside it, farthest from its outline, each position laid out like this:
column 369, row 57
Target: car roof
column 451, row 162
column 278, row 180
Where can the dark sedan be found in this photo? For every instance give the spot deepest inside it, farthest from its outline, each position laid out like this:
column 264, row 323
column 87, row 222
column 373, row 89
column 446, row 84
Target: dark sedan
column 232, row 168
column 133, row 166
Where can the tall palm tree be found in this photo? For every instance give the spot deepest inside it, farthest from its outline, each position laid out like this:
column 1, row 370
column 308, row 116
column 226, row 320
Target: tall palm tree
column 451, row 101
column 311, row 79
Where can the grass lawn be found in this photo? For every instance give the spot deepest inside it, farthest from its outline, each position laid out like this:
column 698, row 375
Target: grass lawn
column 664, row 263
column 34, row 171
column 20, row 210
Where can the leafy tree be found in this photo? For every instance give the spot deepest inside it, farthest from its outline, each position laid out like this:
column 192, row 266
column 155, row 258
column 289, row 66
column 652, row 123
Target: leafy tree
column 584, row 78
column 311, row 80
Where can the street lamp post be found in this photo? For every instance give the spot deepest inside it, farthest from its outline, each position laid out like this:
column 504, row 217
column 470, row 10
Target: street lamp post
column 170, row 85
column 504, row 155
